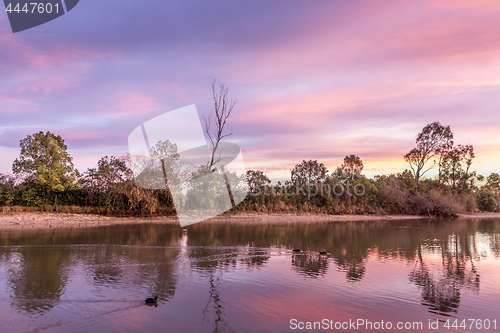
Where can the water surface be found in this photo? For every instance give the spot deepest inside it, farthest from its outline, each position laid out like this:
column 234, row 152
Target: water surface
column 246, row 278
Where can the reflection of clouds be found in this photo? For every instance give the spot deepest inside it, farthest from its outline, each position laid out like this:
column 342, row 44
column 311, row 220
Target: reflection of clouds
column 453, row 247
column 216, row 257
column 481, row 244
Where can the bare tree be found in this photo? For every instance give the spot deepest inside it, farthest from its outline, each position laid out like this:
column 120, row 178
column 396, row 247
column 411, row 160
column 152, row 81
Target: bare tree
column 223, row 106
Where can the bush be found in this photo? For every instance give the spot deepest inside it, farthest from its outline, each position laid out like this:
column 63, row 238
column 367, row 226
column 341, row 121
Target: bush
column 394, row 198
column 438, row 204
column 486, row 201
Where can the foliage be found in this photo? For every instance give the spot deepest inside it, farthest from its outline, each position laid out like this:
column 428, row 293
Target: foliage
column 257, row 181
column 7, row 190
column 309, row 173
column 44, row 169
column 350, row 169
column 433, row 141
column 455, row 167
column 104, row 185
column 486, row 201
column 45, row 162
column 493, row 183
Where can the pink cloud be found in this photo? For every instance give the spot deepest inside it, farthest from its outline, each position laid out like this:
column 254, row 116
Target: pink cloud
column 8, row 99
column 48, row 85
column 128, row 103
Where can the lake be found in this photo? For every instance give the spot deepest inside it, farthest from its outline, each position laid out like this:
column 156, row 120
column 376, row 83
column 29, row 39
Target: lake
column 239, row 277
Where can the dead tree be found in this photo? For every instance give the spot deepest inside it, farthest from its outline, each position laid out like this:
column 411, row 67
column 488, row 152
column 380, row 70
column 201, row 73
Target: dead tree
column 223, row 106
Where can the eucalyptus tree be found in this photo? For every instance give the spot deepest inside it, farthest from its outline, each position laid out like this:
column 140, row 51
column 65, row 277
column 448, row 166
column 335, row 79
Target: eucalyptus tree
column 434, row 141
column 456, row 165
column 493, row 182
column 350, row 169
column 257, row 181
column 309, row 173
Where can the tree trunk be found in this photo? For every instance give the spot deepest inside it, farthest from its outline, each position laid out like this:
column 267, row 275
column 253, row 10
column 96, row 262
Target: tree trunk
column 169, row 194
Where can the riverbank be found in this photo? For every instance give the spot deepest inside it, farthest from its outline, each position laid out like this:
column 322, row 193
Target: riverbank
column 46, row 220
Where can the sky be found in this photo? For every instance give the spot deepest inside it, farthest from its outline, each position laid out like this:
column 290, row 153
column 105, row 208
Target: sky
column 313, row 80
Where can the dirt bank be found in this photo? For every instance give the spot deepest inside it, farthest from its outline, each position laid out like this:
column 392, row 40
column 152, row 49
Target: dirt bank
column 30, row 220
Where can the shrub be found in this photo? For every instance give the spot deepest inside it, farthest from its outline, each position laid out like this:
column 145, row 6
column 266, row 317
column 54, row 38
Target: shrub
column 436, row 203
column 393, row 197
column 486, row 201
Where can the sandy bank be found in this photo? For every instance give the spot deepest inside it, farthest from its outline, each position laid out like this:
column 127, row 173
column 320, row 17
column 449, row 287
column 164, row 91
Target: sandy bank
column 30, row 220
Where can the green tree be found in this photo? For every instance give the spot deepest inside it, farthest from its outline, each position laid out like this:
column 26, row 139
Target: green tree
column 7, row 190
column 257, row 181
column 455, row 167
column 347, row 173
column 44, row 161
column 493, row 182
column 105, row 182
column 167, row 153
column 351, row 168
column 486, row 201
column 434, row 140
column 309, row 173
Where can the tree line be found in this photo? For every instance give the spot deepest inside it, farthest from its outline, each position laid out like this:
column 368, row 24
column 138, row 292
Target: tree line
column 44, row 176
column 454, row 190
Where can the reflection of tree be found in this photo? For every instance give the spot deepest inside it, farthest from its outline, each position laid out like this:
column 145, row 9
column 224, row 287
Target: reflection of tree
column 151, row 267
column 209, row 262
column 490, row 226
column 310, row 265
column 136, row 235
column 495, row 244
column 256, row 258
column 442, row 270
column 160, row 272
column 38, row 274
column 441, row 287
column 352, row 264
column 38, row 277
column 214, row 299
column 353, row 247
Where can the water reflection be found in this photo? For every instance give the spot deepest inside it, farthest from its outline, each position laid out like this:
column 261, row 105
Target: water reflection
column 155, row 269
column 211, row 262
column 441, row 260
column 441, row 284
column 310, row 265
column 37, row 277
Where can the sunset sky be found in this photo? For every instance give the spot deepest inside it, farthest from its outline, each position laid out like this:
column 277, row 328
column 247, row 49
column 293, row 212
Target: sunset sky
column 314, row 79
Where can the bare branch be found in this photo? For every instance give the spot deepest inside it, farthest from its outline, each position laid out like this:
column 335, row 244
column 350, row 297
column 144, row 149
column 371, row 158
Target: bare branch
column 223, row 107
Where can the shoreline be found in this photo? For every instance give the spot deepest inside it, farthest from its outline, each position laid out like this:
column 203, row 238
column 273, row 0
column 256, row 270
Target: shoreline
column 48, row 220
